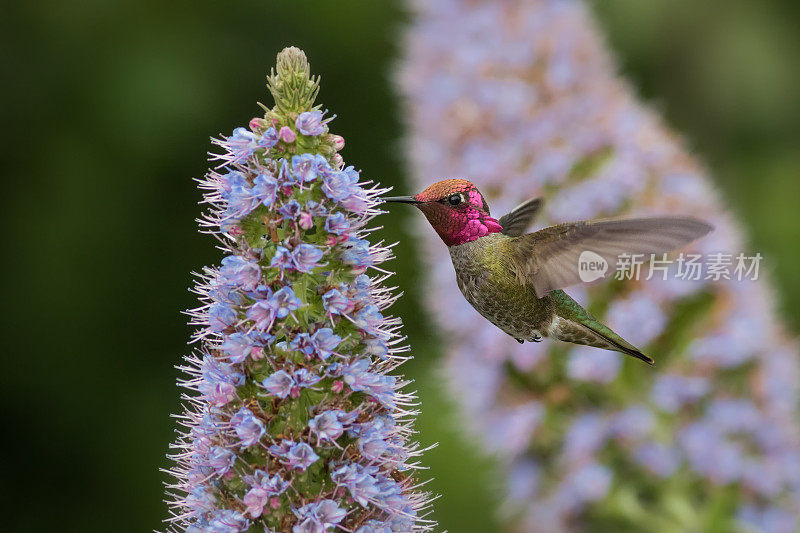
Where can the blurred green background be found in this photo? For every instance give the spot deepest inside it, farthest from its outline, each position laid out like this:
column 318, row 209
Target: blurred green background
column 107, row 110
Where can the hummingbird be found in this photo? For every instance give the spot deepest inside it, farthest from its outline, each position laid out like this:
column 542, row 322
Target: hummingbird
column 515, row 279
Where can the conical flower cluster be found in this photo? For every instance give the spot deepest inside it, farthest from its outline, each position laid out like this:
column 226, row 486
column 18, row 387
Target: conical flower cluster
column 521, row 97
column 294, row 421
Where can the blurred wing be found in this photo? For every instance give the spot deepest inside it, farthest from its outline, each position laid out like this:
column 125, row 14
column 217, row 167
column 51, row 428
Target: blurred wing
column 548, row 259
column 520, row 218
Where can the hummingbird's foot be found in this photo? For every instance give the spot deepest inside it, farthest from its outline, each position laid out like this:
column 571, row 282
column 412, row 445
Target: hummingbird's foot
column 519, row 340
column 537, row 338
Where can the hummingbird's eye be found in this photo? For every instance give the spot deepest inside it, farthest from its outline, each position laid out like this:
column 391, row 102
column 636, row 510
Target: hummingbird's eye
column 454, row 199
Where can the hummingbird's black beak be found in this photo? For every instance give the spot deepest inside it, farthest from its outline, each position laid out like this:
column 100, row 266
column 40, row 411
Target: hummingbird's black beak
column 402, row 200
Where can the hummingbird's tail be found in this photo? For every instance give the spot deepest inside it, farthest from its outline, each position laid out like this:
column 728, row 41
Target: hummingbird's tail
column 573, row 323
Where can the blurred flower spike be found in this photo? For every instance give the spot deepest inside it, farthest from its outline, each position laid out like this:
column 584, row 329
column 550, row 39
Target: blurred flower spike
column 522, row 98
column 294, row 420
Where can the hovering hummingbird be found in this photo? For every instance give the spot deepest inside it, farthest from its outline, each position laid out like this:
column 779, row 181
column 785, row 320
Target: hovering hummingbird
column 515, row 279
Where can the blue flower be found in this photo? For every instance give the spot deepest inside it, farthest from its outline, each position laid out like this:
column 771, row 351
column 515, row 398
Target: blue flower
column 265, row 189
column 305, row 257
column 240, row 272
column 268, row 139
column 316, row 209
column 357, row 253
column 324, row 342
column 310, row 123
column 220, row 317
column 295, row 454
column 290, row 209
column 265, row 341
column 262, row 314
column 658, row 458
column 337, row 223
column 282, row 258
column 318, row 517
column 306, row 167
column 228, row 521
column 369, row 318
column 279, row 383
column 239, row 346
column 376, row 347
column 326, row 425
column 302, row 343
column 221, row 459
column 242, row 144
column 305, row 378
column 248, row 428
column 335, row 302
column 337, row 185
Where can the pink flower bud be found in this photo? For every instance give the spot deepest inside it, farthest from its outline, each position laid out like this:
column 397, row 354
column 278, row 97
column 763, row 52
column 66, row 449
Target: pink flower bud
column 258, row 124
column 287, row 135
column 305, row 220
column 337, row 141
column 337, row 386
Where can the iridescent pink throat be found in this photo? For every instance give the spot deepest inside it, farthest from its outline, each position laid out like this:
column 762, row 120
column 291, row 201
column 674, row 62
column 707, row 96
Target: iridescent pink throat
column 470, row 225
column 459, row 226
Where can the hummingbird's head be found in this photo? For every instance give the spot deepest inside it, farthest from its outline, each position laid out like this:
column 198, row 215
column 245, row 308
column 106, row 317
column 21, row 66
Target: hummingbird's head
column 456, row 210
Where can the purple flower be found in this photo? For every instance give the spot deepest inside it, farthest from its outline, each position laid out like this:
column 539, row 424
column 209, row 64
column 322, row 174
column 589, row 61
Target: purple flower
column 255, row 500
column 591, row 364
column 316, row 209
column 671, row 392
column 242, row 144
column 306, row 167
column 221, row 459
column 290, row 209
column 265, row 189
column 220, row 317
column 240, row 272
column 248, row 428
column 228, row 521
column 586, row 435
column 266, row 335
column 305, row 220
column 660, row 459
column 588, row 483
column 282, row 258
column 359, row 481
column 239, row 346
column 268, row 139
column 318, row 517
column 327, row 426
column 305, row 257
column 335, row 302
column 279, row 383
column 200, row 499
column 376, row 347
column 337, row 185
column 369, row 319
column 304, row 378
column 310, row 123
column 284, row 302
column 359, row 378
column 357, row 253
column 337, row 223
column 262, row 314
column 324, row 342
column 295, row 454
column 302, row 343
